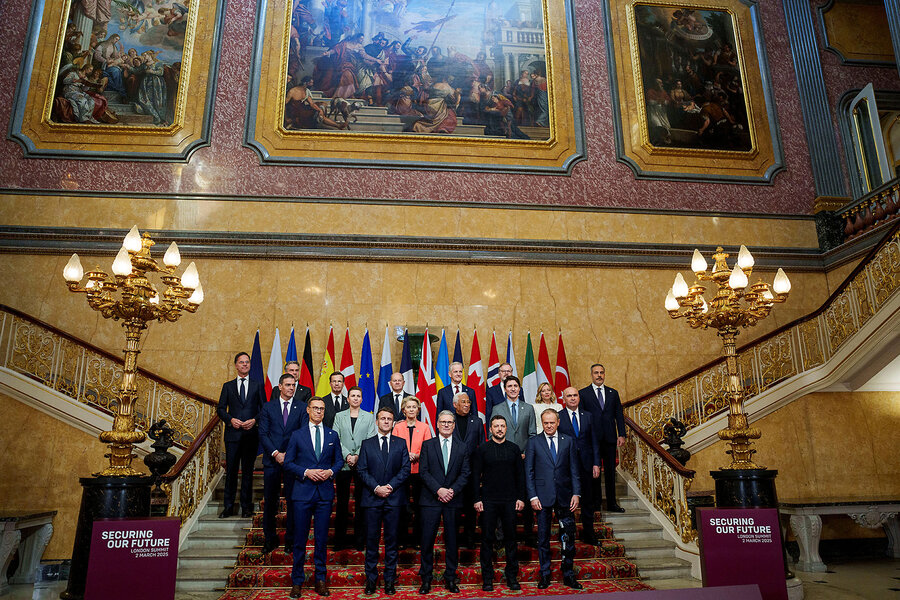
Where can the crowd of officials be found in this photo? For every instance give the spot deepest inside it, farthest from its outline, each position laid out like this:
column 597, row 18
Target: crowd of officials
column 533, row 458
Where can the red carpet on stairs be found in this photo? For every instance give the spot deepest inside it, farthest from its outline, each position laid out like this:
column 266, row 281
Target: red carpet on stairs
column 257, row 576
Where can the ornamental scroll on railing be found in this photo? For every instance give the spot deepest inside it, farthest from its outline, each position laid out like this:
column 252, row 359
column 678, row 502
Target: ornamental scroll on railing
column 189, row 480
column 788, row 351
column 661, row 479
column 92, row 376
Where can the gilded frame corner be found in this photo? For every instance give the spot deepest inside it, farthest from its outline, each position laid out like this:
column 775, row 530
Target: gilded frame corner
column 757, row 162
column 41, row 136
column 266, row 134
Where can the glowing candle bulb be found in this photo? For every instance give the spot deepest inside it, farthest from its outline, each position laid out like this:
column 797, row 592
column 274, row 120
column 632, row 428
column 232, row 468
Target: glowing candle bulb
column 671, row 302
column 73, row 271
column 698, row 263
column 781, row 285
column 122, row 265
column 737, row 280
column 132, row 241
column 680, row 287
column 745, row 259
column 172, row 257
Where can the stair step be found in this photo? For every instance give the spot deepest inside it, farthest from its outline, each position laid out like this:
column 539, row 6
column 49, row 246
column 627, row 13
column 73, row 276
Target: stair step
column 662, row 568
column 201, row 580
column 648, row 548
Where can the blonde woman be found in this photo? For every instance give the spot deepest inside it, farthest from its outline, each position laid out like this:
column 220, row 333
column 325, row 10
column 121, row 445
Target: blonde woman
column 545, row 399
column 414, row 432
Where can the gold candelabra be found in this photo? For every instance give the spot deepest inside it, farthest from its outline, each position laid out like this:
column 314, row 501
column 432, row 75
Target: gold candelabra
column 733, row 307
column 130, row 296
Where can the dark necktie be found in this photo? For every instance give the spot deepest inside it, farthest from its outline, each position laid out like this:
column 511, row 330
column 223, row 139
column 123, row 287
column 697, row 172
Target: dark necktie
column 284, row 413
column 600, row 398
column 384, row 445
column 515, row 418
column 397, row 402
column 575, row 423
column 337, row 404
column 318, row 442
column 457, row 389
column 553, row 448
column 243, row 391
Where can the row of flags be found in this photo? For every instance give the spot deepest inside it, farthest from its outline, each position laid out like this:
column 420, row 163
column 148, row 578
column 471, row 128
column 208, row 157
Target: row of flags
column 434, row 373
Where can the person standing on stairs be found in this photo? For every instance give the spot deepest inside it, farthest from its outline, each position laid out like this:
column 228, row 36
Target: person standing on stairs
column 608, row 417
column 353, row 426
column 576, row 422
column 313, row 457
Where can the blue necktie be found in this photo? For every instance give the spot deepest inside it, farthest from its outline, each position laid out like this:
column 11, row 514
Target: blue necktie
column 318, row 442
column 553, row 449
column 575, row 423
column 515, row 419
column 600, row 397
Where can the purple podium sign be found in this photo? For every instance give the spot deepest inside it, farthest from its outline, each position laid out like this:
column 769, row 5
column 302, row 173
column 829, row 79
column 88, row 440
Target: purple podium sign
column 742, row 546
column 133, row 558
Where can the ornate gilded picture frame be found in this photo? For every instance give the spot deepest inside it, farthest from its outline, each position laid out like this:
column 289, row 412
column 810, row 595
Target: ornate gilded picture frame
column 434, row 84
column 691, row 93
column 114, row 79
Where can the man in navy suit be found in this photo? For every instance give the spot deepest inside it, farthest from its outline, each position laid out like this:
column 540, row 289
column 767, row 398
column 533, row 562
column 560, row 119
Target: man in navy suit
column 335, row 402
column 574, row 421
column 446, row 394
column 396, row 397
column 552, row 485
column 496, row 394
column 383, row 467
column 469, row 430
column 313, row 457
column 239, row 404
column 444, row 469
column 278, row 419
column 301, row 392
column 606, row 411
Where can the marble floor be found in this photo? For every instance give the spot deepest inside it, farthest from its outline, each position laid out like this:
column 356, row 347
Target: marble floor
column 877, row 579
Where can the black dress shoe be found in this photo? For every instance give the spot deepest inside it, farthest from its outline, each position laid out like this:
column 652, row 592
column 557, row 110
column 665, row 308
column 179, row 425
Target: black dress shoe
column 289, row 547
column 425, row 587
column 488, row 586
column 389, row 588
column 370, row 586
column 322, row 588
column 269, row 546
column 512, row 584
column 451, row 586
column 544, row 583
column 296, row 590
column 228, row 512
column 615, row 509
column 591, row 541
column 246, row 513
column 572, row 583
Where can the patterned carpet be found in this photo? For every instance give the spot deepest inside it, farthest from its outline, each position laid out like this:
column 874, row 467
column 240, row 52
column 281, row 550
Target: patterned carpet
column 257, row 576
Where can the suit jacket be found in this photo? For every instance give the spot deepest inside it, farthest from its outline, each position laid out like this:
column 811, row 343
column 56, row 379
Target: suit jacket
column 586, row 442
column 414, row 446
column 352, row 438
column 494, row 395
column 525, row 428
column 551, row 482
column 331, row 411
column 431, row 470
column 374, row 470
column 302, row 456
column 445, row 398
column 231, row 407
column 607, row 421
column 302, row 393
column 474, row 433
column 274, row 434
column 388, row 400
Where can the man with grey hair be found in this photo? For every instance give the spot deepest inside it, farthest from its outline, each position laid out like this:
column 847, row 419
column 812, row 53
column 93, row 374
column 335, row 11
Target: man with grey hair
column 301, row 393
column 395, row 398
column 445, row 394
column 444, row 469
column 469, row 431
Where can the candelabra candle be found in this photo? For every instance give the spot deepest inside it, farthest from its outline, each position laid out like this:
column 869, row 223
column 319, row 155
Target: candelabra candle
column 733, row 307
column 129, row 295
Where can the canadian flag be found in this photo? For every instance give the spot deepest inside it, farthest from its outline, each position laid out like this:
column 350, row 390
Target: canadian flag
column 347, row 368
column 426, row 390
column 476, row 377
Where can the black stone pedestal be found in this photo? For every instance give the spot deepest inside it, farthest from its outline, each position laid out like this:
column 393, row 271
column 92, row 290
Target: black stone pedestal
column 745, row 488
column 103, row 498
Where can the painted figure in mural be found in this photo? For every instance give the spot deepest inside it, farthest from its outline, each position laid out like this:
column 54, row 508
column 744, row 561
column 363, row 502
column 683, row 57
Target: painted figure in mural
column 86, row 104
column 658, row 103
column 301, row 112
column 522, row 98
column 440, row 110
column 541, row 99
column 498, row 113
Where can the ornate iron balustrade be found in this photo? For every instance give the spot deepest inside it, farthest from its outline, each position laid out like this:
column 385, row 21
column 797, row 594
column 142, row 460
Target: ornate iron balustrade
column 662, row 480
column 790, row 350
column 92, row 376
column 191, row 477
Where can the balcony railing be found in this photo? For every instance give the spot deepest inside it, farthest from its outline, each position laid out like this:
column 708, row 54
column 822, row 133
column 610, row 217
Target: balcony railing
column 873, row 210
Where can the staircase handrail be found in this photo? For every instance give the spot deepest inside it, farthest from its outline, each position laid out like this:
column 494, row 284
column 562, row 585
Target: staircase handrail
column 805, row 343
column 91, row 375
column 189, row 479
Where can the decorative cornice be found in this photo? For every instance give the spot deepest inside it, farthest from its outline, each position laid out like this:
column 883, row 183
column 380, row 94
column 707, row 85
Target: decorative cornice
column 829, row 203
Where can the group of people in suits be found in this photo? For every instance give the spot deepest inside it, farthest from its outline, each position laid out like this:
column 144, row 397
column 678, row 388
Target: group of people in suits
column 314, row 448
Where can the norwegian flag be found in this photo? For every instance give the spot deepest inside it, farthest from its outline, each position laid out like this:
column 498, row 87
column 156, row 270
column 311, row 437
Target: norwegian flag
column 426, row 390
column 493, row 371
column 476, row 377
column 347, row 367
column 562, row 369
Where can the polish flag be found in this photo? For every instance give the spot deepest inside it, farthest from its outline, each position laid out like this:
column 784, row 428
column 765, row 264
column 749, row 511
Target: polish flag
column 276, row 365
column 493, row 372
column 426, row 390
column 562, row 369
column 347, row 367
column 544, row 374
column 475, row 379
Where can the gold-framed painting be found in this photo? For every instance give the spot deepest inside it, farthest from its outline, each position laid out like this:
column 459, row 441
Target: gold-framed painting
column 118, row 79
column 691, row 92
column 434, row 84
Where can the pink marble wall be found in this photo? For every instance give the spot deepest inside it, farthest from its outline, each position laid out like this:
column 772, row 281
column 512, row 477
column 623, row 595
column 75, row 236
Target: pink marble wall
column 228, row 168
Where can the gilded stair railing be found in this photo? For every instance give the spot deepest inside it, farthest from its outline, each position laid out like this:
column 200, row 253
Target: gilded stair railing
column 808, row 342
column 188, row 481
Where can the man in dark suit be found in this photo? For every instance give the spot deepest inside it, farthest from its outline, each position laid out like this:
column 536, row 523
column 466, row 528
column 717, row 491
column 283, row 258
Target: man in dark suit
column 608, row 417
column 301, row 392
column 313, row 457
column 278, row 419
column 551, row 481
column 469, row 430
column 444, row 469
column 496, row 394
column 239, row 404
column 335, row 402
column 575, row 422
column 445, row 394
column 394, row 400
column 383, row 468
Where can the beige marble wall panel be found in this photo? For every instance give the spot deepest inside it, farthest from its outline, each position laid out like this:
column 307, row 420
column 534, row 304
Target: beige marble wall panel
column 41, row 459
column 374, row 219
